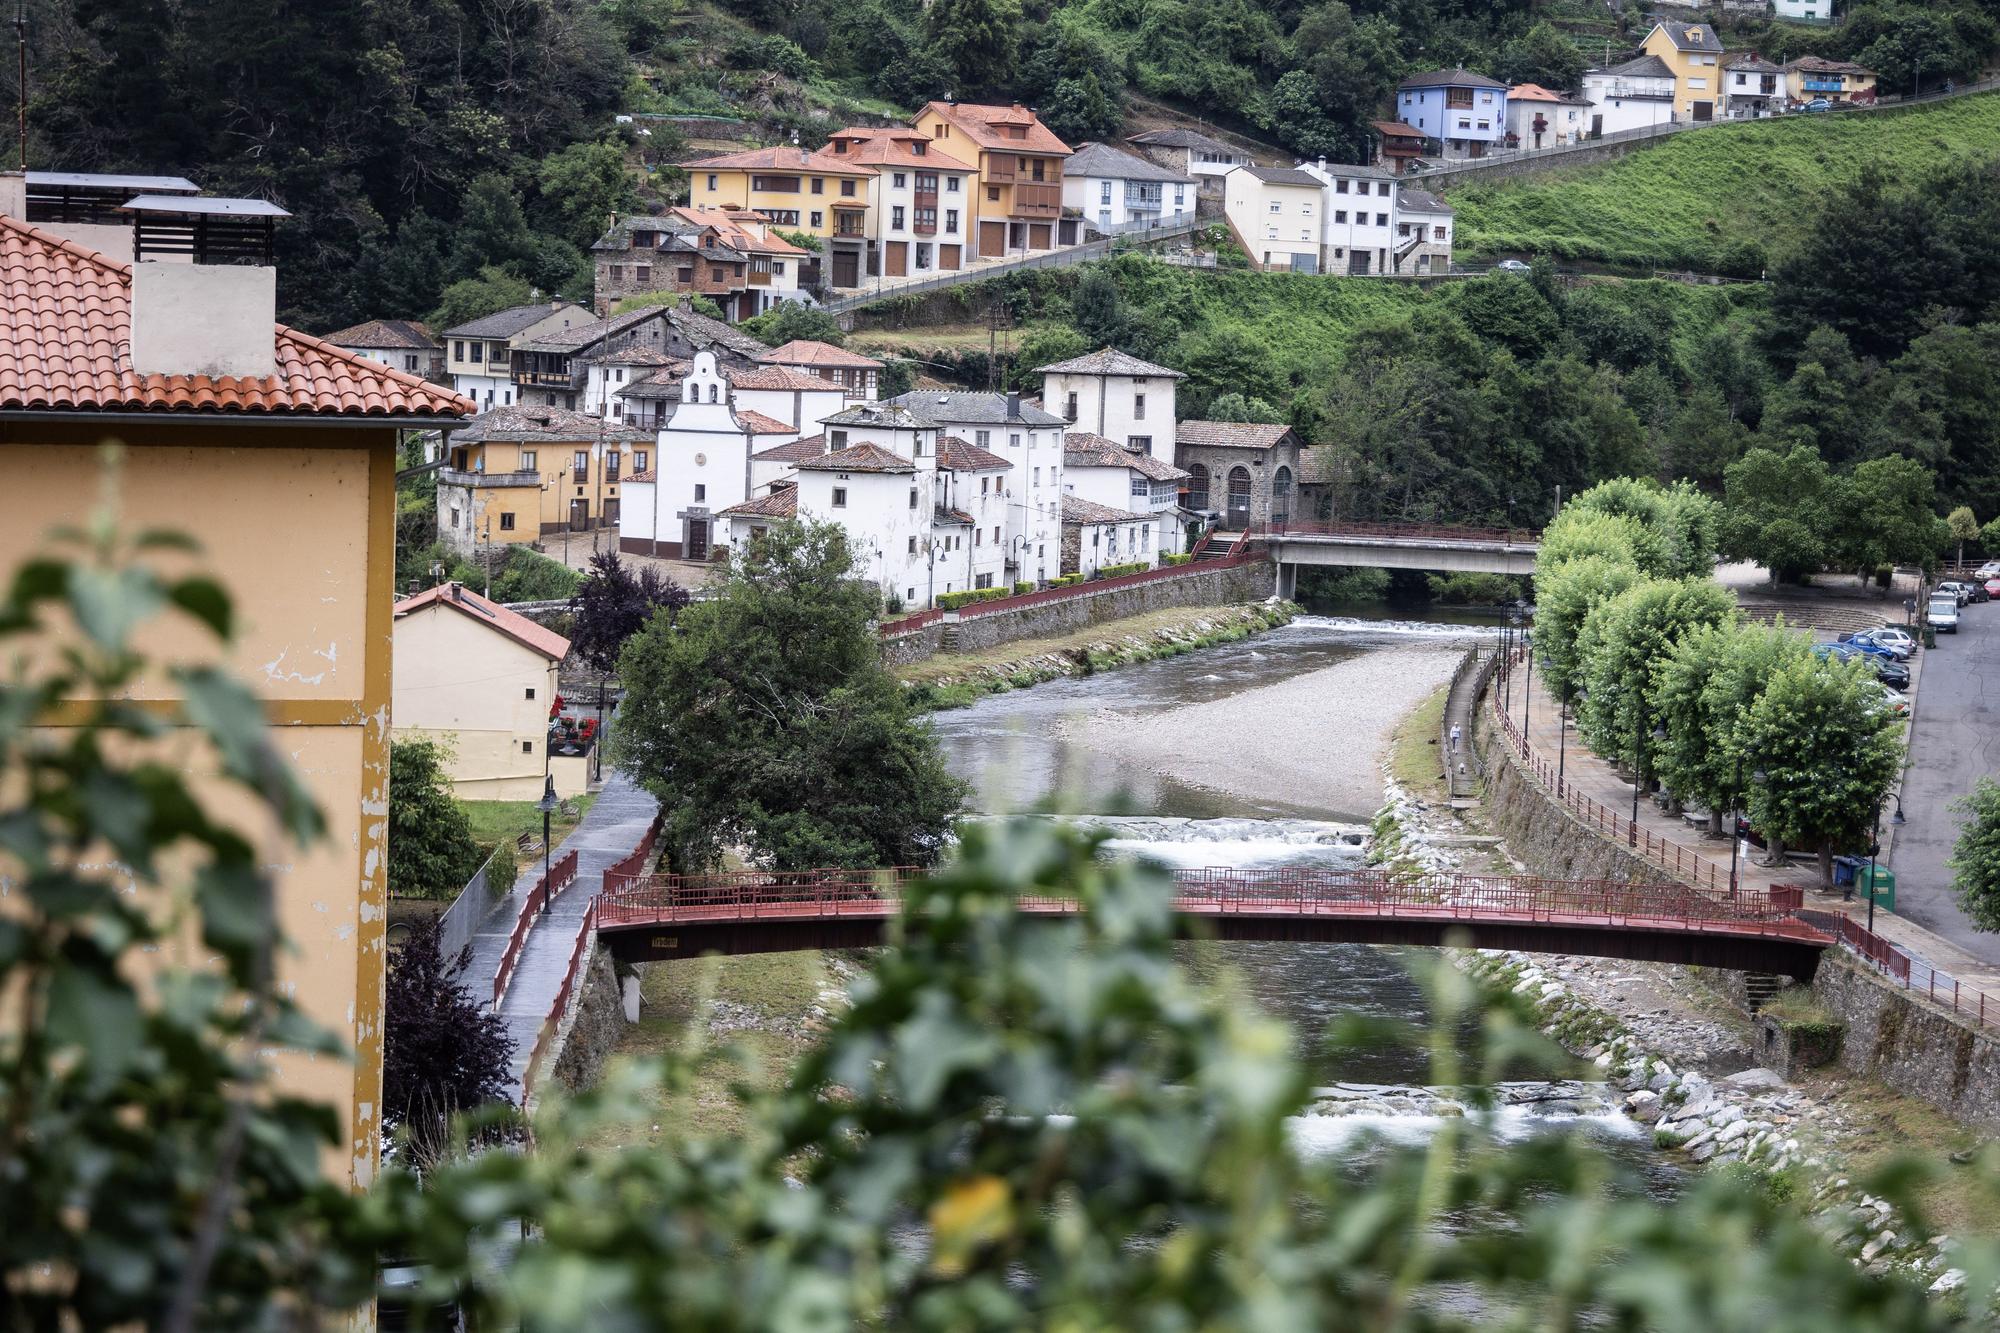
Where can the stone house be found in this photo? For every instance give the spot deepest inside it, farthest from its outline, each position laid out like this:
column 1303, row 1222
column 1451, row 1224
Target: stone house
column 1243, row 473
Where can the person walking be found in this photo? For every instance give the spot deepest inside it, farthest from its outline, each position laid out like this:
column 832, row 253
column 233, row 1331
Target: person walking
column 1454, row 738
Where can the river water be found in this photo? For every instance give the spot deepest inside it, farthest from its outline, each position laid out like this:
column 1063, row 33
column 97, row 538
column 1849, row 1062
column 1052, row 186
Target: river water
column 1056, row 750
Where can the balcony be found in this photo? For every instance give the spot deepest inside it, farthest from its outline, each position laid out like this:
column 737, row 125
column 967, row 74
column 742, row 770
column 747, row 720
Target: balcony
column 759, row 279
column 580, row 475
column 546, row 379
column 846, row 227
column 997, row 173
column 1143, row 201
column 454, row 477
column 1037, row 201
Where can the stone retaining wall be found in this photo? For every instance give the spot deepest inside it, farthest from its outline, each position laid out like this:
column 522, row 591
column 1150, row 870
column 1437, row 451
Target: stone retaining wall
column 1542, row 835
column 1898, row 1040
column 596, row 1021
column 1221, row 586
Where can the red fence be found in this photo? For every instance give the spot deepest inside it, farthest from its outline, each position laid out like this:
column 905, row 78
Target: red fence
column 1912, row 974
column 623, row 871
column 558, row 877
column 1303, row 891
column 553, row 1022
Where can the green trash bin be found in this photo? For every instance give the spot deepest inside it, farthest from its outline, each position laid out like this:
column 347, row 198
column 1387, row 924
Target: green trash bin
column 1930, row 636
column 1878, row 882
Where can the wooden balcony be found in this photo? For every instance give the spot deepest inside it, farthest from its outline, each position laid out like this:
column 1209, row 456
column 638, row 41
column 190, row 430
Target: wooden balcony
column 546, row 379
column 997, row 172
column 759, row 279
column 1037, row 201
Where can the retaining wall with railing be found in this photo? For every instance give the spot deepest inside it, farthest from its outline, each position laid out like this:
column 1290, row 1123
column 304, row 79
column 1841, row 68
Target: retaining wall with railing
column 460, row 921
column 548, row 886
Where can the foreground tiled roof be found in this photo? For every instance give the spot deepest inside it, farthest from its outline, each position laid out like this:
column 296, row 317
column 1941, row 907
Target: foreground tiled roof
column 807, row 352
column 782, row 502
column 956, row 455
column 491, row 614
column 859, row 458
column 529, row 423
column 1108, row 361
column 579, row 336
column 1231, row 434
column 66, row 344
column 1082, row 449
column 405, row 335
column 1642, row 67
column 1078, row 510
column 812, row 446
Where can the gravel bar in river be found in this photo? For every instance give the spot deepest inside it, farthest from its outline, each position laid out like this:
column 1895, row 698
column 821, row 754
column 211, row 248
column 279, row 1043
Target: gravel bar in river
column 1315, row 740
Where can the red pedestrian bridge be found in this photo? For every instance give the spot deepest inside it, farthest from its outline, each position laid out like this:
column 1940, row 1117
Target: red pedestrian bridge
column 650, row 918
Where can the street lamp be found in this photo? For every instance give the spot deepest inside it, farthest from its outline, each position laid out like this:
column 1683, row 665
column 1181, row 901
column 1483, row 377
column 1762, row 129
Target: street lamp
column 547, row 805
column 1562, row 746
column 1874, row 846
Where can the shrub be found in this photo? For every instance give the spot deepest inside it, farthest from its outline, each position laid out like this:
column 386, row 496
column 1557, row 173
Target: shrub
column 1065, row 580
column 1113, row 571
column 1025, row 585
column 951, row 601
column 1181, row 559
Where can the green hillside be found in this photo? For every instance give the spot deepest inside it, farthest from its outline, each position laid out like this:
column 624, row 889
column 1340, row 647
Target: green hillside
column 1727, row 200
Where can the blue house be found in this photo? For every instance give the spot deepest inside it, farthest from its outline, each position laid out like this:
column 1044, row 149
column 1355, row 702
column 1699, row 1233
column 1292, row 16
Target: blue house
column 1464, row 112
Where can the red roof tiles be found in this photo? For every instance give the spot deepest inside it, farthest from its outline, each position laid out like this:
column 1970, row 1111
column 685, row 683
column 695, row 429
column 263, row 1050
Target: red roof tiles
column 759, row 424
column 807, row 352
column 66, row 344
column 490, row 614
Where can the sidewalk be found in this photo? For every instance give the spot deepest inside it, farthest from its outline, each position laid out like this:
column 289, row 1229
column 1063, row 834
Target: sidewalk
column 611, row 828
column 1587, row 776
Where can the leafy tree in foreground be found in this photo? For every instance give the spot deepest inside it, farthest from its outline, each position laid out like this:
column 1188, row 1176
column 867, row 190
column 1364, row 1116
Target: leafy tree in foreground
column 443, row 1053
column 431, row 851
column 1778, row 511
column 764, row 718
column 612, row 604
column 1700, row 694
column 1975, row 861
column 1564, row 598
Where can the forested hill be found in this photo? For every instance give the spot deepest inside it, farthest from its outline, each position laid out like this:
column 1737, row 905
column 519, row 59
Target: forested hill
column 426, row 143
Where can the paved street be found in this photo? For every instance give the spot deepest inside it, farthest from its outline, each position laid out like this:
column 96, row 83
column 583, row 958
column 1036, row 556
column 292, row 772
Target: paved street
column 1954, row 742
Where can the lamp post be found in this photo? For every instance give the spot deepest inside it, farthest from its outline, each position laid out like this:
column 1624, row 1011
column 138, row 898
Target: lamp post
column 548, row 808
column 1735, row 807
column 1562, row 746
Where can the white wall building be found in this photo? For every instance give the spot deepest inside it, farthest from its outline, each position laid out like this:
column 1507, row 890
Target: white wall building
column 1357, row 218
column 702, row 467
column 1031, row 440
column 1805, row 11
column 1117, row 396
column 1096, row 536
column 1274, row 213
column 1424, row 232
column 1631, row 96
column 1113, row 188
column 920, row 202
column 478, row 354
column 1539, row 117
column 1104, row 473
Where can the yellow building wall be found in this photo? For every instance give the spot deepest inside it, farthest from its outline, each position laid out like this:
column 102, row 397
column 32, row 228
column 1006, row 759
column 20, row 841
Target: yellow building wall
column 463, row 683
column 547, row 506
column 1682, row 63
column 299, row 525
column 732, row 190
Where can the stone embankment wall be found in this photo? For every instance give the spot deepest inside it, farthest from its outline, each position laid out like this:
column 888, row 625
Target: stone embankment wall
column 1200, row 587
column 596, row 1021
column 1892, row 1035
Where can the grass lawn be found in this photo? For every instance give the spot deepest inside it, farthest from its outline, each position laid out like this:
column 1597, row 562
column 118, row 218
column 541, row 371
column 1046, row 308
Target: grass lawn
column 1414, row 761
column 780, row 989
column 494, row 822
column 1691, row 200
column 1902, row 1127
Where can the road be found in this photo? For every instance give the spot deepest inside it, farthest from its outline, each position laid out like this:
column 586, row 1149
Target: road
column 1955, row 742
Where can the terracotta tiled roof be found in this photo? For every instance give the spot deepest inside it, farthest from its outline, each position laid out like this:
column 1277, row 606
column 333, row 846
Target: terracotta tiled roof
column 758, row 424
column 1821, row 65
column 782, row 502
column 1108, row 361
column 646, row 478
column 1078, row 510
column 806, row 352
column 529, row 423
column 984, row 126
column 398, row 334
column 66, row 344
column 954, row 518
column 744, row 231
column 780, row 159
column 957, row 455
column 859, row 458
column 812, row 446
column 893, row 147
column 490, row 614
column 1231, row 434
column 778, row 377
column 1082, row 449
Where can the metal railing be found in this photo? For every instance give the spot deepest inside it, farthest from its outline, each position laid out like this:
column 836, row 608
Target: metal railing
column 558, row 877
column 1427, row 533
column 1910, row 972
column 559, row 1010
column 1289, row 890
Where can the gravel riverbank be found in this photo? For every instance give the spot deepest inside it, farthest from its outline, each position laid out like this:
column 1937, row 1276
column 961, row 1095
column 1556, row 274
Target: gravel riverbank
column 1325, row 754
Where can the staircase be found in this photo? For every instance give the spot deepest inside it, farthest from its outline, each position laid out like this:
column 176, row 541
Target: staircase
column 1762, row 987
column 1219, row 546
column 948, row 637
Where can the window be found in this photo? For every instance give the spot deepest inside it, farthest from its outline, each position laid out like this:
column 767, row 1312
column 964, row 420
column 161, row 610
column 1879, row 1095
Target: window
column 454, row 516
column 1340, row 215
column 951, row 185
column 992, row 194
column 1458, row 97
column 711, row 180
column 951, row 221
column 1381, row 219
column 818, row 218
column 1340, row 187
column 580, row 460
column 527, row 747
column 1382, row 188
column 1138, row 407
column 1139, row 444
column 1402, row 229
column 913, row 546
column 1465, row 122
column 1014, row 440
column 819, row 185
column 460, row 345
column 847, row 189
column 983, row 581
column 985, row 485
column 1270, row 234
column 700, row 492
column 642, row 272
column 784, row 217
column 410, row 361
column 1281, row 494
column 506, row 522
column 1306, row 209
column 639, row 459
column 982, row 438
column 840, row 497
column 900, row 180
column 913, row 497
column 1038, row 477
column 1485, row 124
column 1275, row 206
column 896, row 217
column 1104, row 192
column 775, row 184
column 1695, row 84
column 1069, row 410
column 1197, row 492
column 1305, row 233
column 1141, row 487
column 531, row 692
column 527, row 460
column 1437, row 233
column 979, row 536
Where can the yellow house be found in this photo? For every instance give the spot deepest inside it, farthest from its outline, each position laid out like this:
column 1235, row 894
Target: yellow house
column 1017, row 194
column 1276, row 215
column 1694, row 53
column 278, row 453
column 1811, row 77
column 798, row 190
column 526, row 473
column 482, row 679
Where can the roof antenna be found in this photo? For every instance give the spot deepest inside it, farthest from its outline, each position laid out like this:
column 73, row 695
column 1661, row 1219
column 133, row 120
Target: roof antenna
column 21, row 91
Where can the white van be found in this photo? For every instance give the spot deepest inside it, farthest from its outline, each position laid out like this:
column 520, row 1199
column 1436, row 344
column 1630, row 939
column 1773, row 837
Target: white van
column 1943, row 614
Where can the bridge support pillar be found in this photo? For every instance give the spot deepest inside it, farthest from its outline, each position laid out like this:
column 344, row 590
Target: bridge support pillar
column 1288, row 580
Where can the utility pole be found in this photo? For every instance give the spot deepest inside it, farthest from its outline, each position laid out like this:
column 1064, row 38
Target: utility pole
column 21, row 87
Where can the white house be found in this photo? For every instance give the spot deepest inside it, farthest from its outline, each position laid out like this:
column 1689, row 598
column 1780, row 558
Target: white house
column 1113, row 188
column 1120, row 397
column 858, row 376
column 1274, row 214
column 1357, row 218
column 1095, row 536
column 1539, row 117
column 1752, row 87
column 608, row 374
column 400, row 344
column 1805, row 11
column 1106, row 473
column 1423, row 232
column 1631, row 96
column 703, row 467
column 1201, row 157
column 478, row 354
column 1031, row 440
column 920, row 200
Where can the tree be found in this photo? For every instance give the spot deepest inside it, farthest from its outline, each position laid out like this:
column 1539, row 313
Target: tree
column 1828, row 749
column 1295, row 116
column 1236, row 407
column 790, row 321
column 492, row 230
column 1622, row 647
column 581, row 187
column 1080, row 110
column 1542, row 55
column 1975, row 861
column 1098, row 311
column 976, row 40
column 1043, row 346
column 612, row 604
column 1883, row 514
column 1579, row 532
column 443, row 1052
column 897, row 377
column 431, row 851
column 1565, row 595
column 1778, row 511
column 1700, row 695
column 468, row 299
column 762, row 717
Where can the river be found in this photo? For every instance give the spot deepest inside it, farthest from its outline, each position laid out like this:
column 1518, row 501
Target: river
column 1265, row 753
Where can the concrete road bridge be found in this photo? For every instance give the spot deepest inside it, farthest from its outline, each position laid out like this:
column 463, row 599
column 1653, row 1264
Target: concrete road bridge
column 653, row 918
column 1435, row 549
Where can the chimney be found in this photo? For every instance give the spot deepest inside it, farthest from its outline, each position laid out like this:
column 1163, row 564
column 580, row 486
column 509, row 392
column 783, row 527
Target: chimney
column 1322, row 162
column 204, row 287
column 1013, row 404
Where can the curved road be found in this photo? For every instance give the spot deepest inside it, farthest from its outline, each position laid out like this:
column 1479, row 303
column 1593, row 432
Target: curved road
column 1955, row 742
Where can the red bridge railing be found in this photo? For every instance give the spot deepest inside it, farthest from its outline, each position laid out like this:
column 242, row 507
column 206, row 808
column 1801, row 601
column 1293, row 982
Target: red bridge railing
column 1224, row 892
column 559, row 877
column 560, row 1008
column 1909, row 972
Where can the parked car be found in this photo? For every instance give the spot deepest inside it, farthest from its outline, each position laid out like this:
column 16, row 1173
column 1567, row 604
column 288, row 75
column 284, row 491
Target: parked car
column 1992, row 586
column 1892, row 673
column 1817, row 104
column 1989, row 570
column 1943, row 614
column 1894, row 702
column 1865, row 646
column 1961, row 591
column 1897, row 643
column 1512, row 266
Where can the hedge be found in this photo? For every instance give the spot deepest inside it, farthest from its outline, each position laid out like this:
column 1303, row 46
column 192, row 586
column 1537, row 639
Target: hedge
column 1025, row 585
column 1181, row 559
column 1113, row 571
column 951, row 601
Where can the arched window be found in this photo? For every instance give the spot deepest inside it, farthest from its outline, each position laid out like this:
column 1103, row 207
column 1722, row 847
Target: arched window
column 1197, row 487
column 1239, row 496
column 711, row 393
column 1281, row 495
